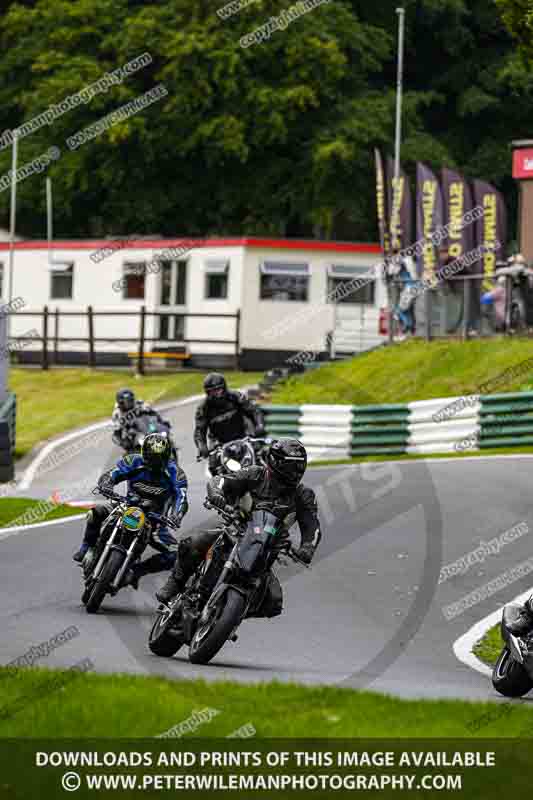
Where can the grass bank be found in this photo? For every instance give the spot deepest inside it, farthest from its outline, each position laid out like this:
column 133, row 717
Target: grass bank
column 45, row 703
column 489, row 647
column 19, row 511
column 52, row 402
column 415, row 371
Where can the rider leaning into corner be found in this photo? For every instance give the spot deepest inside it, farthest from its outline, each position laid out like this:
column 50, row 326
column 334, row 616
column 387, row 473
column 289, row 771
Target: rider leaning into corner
column 277, row 484
column 126, row 409
column 222, row 416
column 146, row 473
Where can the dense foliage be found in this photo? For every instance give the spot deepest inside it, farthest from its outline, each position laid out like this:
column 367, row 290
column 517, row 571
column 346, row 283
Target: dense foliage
column 275, row 138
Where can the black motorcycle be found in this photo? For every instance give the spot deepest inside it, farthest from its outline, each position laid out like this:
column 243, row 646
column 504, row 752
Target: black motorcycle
column 142, row 425
column 123, row 539
column 235, row 582
column 512, row 675
column 236, row 455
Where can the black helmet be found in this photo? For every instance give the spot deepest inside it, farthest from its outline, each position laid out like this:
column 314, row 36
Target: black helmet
column 215, row 385
column 287, row 458
column 156, row 451
column 125, row 399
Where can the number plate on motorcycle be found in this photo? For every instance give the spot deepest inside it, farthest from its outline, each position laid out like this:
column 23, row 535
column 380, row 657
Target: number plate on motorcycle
column 133, row 518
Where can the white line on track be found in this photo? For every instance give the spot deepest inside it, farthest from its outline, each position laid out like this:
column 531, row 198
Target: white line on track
column 458, row 460
column 6, row 532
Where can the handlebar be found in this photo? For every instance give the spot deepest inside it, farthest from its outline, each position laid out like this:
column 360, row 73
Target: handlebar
column 228, row 514
column 120, row 499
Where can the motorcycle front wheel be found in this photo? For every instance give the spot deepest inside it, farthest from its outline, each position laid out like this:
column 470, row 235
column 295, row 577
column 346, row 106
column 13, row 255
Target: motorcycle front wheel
column 510, row 678
column 166, row 636
column 102, row 583
column 210, row 636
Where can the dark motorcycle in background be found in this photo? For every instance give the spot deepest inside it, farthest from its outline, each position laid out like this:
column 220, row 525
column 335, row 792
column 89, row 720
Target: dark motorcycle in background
column 124, row 536
column 141, row 426
column 512, row 675
column 235, row 582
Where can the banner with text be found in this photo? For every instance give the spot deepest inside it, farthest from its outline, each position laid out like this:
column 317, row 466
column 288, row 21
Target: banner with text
column 490, row 229
column 429, row 218
column 401, row 208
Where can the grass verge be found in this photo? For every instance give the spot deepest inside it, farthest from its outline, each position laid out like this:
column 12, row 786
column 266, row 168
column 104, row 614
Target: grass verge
column 20, row 510
column 489, row 647
column 59, row 400
column 46, row 703
column 414, row 371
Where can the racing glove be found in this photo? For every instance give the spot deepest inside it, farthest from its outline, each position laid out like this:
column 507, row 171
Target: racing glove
column 203, row 451
column 105, row 484
column 306, row 553
column 176, row 520
column 218, row 501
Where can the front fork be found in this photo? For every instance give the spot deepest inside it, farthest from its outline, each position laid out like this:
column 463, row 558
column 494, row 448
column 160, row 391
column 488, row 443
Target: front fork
column 120, row 574
column 107, row 548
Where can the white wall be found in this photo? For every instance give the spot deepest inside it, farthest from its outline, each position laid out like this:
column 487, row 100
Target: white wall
column 205, row 328
column 300, row 325
column 275, row 325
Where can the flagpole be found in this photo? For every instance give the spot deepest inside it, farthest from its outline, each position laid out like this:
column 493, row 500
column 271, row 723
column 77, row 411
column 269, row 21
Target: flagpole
column 399, row 101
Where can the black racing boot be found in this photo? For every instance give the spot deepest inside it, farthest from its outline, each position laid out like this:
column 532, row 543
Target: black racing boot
column 174, row 585
column 79, row 555
column 131, row 578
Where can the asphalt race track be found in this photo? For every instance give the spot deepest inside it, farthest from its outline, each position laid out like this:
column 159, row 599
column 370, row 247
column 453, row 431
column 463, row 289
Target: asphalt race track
column 368, row 614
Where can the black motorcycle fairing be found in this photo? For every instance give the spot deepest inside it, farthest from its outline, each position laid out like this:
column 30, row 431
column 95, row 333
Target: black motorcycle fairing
column 254, row 546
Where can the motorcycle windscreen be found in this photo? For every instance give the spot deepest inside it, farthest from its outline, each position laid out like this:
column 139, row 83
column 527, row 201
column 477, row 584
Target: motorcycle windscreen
column 256, row 540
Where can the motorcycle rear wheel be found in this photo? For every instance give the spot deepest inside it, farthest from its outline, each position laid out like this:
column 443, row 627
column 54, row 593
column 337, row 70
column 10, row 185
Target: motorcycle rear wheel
column 510, row 678
column 106, row 577
column 210, row 637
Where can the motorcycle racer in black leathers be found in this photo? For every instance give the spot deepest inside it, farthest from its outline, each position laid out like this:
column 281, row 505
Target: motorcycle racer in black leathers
column 151, row 475
column 222, row 416
column 276, row 485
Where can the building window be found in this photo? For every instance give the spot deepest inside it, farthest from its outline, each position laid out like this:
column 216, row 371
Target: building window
column 284, row 282
column 181, row 283
column 61, row 280
column 347, row 284
column 171, row 328
column 134, row 275
column 216, row 280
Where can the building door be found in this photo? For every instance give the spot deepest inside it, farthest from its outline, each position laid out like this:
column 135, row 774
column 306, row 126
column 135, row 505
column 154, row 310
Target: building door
column 356, row 312
column 173, row 298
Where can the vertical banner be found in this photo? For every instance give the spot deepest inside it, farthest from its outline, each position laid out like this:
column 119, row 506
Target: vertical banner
column 381, row 204
column 401, row 208
column 457, row 200
column 491, row 229
column 429, row 218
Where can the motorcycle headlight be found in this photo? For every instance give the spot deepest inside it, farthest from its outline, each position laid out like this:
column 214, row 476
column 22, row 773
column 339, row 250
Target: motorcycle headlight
column 233, row 465
column 133, row 519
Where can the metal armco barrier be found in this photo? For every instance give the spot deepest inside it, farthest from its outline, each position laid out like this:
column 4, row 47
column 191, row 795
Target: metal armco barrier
column 443, row 425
